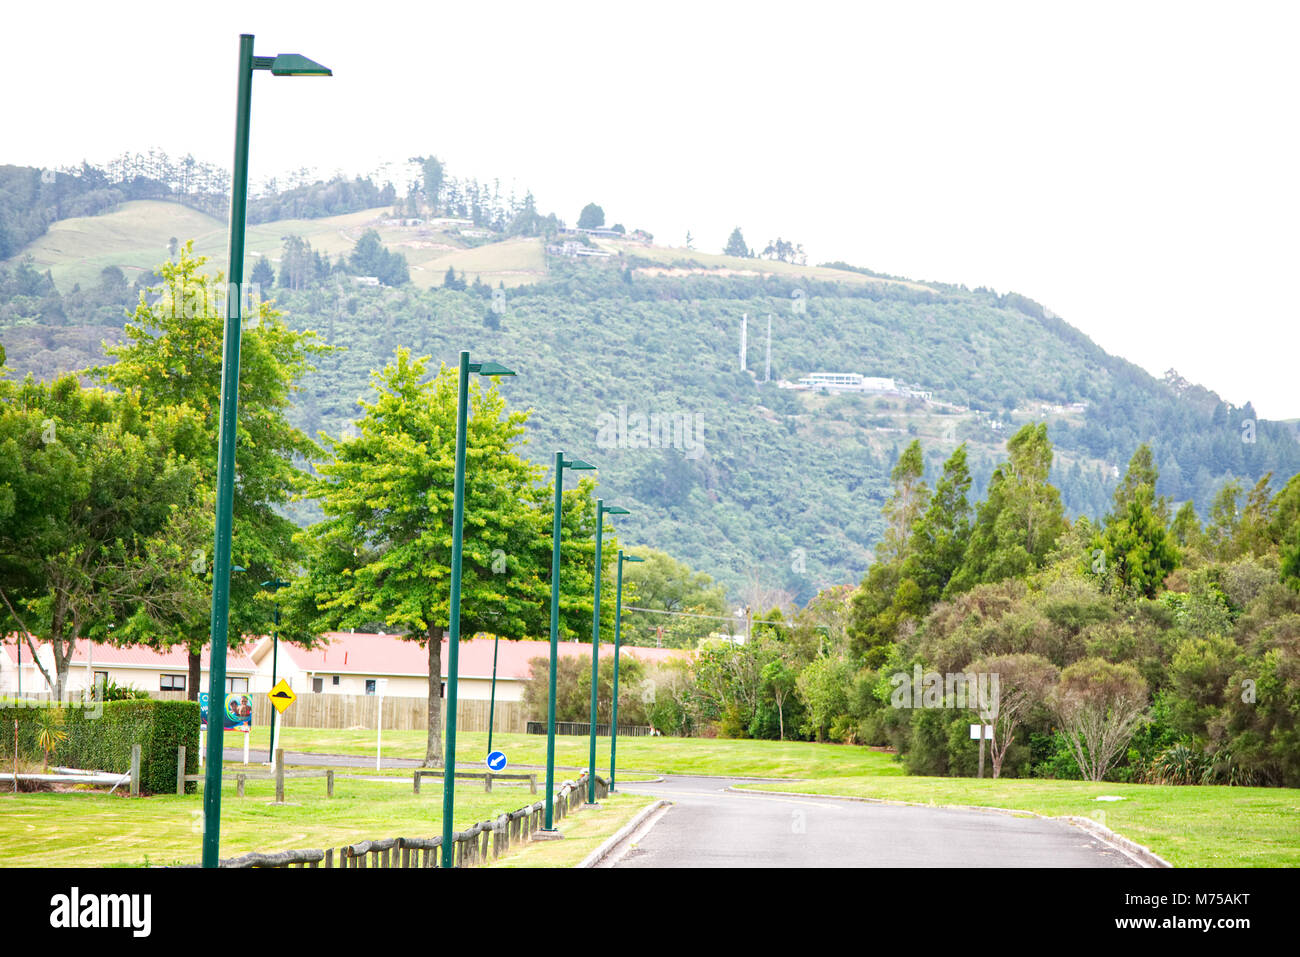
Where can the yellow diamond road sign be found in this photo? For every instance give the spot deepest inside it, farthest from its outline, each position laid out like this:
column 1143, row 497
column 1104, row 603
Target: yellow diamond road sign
column 282, row 696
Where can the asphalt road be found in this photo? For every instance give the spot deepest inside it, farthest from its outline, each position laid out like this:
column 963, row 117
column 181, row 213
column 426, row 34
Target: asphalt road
column 709, row 826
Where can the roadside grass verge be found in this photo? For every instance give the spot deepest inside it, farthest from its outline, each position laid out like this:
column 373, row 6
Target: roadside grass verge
column 584, row 830
column 94, row 828
column 660, row 755
column 1189, row 826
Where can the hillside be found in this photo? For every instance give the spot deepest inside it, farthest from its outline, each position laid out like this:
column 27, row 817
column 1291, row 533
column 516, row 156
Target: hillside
column 762, row 486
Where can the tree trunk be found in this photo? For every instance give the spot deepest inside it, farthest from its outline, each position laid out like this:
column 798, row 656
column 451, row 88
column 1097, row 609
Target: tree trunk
column 433, row 744
column 196, row 675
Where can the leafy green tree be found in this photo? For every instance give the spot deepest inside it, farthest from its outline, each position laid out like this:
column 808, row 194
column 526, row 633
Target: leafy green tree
column 1098, row 705
column 905, row 505
column 1138, row 547
column 98, row 512
column 664, row 584
column 263, row 275
column 1018, row 523
column 736, row 245
column 383, row 551
column 591, row 217
column 940, row 535
column 172, row 357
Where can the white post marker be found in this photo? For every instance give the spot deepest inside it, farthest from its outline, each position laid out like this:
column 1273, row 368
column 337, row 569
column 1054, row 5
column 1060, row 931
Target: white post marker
column 246, row 737
column 203, row 746
column 975, row 735
column 381, row 686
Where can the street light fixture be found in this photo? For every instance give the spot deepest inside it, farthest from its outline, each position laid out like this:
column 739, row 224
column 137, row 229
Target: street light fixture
column 453, row 622
column 561, row 463
column 618, row 623
column 601, row 512
column 288, row 64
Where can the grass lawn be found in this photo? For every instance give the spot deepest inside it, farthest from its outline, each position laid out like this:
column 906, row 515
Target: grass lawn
column 584, row 831
column 769, row 759
column 1187, row 826
column 95, row 828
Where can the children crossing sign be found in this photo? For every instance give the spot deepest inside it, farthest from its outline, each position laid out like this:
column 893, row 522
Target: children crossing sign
column 282, row 696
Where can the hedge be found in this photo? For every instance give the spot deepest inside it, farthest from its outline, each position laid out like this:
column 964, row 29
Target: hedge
column 100, row 738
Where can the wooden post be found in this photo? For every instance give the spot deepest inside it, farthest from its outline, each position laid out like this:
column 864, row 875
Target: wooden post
column 487, row 781
column 279, row 775
column 416, row 776
column 239, row 784
column 329, row 857
column 135, row 770
column 532, row 783
column 329, row 783
column 180, row 770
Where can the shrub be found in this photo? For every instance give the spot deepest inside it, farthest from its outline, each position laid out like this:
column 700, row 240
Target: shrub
column 100, row 738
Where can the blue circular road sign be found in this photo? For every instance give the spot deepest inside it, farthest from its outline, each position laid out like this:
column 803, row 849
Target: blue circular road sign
column 496, row 761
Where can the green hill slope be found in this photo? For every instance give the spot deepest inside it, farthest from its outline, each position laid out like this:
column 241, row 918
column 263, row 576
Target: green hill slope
column 757, row 485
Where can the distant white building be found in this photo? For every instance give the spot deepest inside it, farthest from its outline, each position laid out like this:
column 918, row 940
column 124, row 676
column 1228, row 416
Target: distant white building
column 845, row 382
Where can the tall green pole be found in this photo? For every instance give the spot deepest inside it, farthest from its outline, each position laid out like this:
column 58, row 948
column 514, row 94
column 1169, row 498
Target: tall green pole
column 453, row 639
column 595, row 652
column 275, row 654
column 226, row 463
column 555, row 643
column 618, row 625
column 492, row 706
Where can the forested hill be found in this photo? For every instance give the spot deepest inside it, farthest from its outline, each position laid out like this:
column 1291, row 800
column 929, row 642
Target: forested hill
column 768, row 485
column 760, row 485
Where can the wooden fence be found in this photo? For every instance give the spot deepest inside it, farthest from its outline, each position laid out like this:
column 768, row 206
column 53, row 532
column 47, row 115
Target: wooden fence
column 340, row 711
column 484, row 842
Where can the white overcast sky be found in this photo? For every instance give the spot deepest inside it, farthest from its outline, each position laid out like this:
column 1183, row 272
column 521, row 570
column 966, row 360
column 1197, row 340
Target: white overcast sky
column 1131, row 166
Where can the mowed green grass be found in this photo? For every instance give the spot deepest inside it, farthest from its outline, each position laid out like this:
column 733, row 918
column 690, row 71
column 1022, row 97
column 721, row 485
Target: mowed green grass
column 661, row 755
column 1187, row 826
column 89, row 829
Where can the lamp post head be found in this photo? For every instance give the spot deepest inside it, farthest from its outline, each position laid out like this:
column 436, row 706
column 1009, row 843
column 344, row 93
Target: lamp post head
column 295, row 64
column 489, row 368
column 616, row 510
column 632, row 558
column 576, row 464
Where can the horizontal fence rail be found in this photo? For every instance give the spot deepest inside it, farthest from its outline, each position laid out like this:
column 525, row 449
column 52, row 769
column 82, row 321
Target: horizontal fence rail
column 479, row 844
column 584, row 728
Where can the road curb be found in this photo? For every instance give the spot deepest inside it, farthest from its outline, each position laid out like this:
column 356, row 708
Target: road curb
column 1138, row 853
column 623, row 833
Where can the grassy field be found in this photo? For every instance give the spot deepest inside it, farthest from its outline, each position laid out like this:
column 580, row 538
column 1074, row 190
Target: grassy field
column 134, row 237
column 96, row 828
column 771, row 759
column 1187, row 826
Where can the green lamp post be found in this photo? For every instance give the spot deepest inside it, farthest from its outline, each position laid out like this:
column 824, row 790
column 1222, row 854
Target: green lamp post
column 274, row 585
column 453, row 619
column 286, row 64
column 601, row 511
column 618, row 634
column 561, row 463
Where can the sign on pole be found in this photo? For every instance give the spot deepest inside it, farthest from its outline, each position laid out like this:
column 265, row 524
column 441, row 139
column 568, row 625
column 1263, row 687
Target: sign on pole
column 237, row 715
column 381, row 685
column 975, row 732
column 282, row 696
column 496, row 761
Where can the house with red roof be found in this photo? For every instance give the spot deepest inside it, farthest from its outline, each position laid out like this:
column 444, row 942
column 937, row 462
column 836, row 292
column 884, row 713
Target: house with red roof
column 344, row 663
column 136, row 666
column 353, row 663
